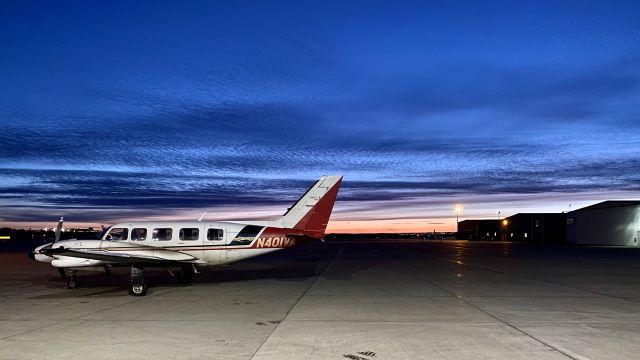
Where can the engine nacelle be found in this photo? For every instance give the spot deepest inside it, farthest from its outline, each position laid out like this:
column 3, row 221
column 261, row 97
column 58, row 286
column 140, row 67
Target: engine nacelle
column 37, row 256
column 71, row 262
column 42, row 258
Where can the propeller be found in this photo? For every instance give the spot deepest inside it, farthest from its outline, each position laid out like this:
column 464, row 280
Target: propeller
column 58, row 230
column 61, row 271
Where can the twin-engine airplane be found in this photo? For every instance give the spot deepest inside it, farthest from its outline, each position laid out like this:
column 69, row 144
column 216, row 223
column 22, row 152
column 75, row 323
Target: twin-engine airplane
column 187, row 245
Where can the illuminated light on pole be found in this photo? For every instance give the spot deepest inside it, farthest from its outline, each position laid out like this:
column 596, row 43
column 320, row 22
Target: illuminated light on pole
column 459, row 209
column 503, row 235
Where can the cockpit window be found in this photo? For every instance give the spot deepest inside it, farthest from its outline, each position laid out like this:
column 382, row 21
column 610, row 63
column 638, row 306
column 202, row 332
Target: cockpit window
column 162, row 234
column 246, row 235
column 104, row 232
column 139, row 234
column 118, row 234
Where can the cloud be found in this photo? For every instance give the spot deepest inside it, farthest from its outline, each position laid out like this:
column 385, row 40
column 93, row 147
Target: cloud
column 86, row 194
column 467, row 99
column 211, row 115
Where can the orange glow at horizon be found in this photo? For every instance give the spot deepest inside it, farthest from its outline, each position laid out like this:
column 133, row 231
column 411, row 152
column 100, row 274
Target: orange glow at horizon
column 389, row 226
column 420, row 215
column 335, row 226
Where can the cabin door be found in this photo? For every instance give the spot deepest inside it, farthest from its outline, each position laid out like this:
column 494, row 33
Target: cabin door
column 190, row 240
column 215, row 244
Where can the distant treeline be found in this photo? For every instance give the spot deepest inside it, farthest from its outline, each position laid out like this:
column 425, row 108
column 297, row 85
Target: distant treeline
column 390, row 236
column 24, row 239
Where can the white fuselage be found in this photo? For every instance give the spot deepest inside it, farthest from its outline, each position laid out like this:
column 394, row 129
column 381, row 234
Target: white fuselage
column 200, row 243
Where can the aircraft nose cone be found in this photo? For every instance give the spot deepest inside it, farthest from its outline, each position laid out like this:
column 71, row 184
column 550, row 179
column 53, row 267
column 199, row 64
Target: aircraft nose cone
column 31, row 256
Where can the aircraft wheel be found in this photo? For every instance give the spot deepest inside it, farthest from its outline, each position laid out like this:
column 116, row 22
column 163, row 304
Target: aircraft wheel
column 72, row 282
column 138, row 289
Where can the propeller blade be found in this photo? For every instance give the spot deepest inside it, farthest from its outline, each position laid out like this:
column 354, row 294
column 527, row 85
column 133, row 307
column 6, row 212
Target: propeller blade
column 58, row 230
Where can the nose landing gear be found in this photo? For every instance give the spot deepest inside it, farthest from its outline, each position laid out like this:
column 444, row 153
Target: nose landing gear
column 72, row 279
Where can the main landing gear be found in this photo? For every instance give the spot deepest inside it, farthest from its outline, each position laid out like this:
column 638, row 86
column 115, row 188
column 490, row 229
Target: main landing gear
column 138, row 286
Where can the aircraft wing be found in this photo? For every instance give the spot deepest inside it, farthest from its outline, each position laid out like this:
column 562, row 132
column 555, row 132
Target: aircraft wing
column 122, row 257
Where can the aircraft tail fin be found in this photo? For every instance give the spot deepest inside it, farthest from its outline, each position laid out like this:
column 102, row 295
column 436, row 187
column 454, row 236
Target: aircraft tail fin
column 311, row 212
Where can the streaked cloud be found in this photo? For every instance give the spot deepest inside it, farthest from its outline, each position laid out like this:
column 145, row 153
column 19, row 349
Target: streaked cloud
column 187, row 112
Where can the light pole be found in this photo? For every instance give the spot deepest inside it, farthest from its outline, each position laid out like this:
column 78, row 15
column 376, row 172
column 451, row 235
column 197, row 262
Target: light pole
column 459, row 209
column 495, row 234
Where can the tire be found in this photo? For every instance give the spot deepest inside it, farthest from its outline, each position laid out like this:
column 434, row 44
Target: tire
column 138, row 289
column 72, row 282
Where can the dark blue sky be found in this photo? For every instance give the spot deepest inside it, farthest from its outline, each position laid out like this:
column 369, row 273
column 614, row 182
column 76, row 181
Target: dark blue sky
column 113, row 110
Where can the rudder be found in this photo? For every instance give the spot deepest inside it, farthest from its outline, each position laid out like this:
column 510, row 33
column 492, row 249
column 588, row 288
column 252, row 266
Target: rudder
column 311, row 212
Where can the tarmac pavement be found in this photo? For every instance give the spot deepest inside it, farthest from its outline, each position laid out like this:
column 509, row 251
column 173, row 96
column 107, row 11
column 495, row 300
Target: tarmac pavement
column 360, row 300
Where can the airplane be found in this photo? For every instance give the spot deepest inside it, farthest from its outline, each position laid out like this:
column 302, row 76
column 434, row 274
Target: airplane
column 188, row 245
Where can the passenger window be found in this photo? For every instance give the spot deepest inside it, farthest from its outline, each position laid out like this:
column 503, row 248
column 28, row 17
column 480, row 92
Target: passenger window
column 215, row 234
column 139, row 234
column 163, row 234
column 118, row 234
column 189, row 234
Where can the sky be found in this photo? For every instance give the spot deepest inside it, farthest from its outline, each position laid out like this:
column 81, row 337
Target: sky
column 123, row 110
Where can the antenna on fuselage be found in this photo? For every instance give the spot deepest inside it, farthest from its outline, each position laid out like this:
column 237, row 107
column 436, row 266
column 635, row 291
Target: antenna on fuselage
column 59, row 229
column 201, row 216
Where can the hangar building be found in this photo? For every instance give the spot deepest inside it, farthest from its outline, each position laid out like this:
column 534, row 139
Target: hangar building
column 479, row 230
column 605, row 223
column 539, row 228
